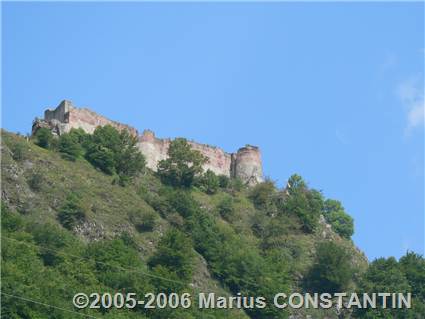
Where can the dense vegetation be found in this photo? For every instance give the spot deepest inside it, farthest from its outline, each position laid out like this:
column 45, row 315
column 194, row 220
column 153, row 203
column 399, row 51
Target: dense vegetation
column 81, row 213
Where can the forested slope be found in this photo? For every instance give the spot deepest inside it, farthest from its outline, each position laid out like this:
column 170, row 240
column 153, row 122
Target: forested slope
column 83, row 214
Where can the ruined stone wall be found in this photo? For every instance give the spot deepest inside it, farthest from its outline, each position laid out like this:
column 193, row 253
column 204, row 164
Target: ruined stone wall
column 153, row 148
column 156, row 149
column 59, row 113
column 248, row 165
column 89, row 120
column 66, row 116
column 244, row 164
column 219, row 161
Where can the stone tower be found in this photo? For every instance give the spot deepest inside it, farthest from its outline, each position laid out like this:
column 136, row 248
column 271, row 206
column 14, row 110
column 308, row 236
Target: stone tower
column 247, row 165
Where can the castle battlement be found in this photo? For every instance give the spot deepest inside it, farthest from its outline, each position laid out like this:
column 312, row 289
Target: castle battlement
column 245, row 164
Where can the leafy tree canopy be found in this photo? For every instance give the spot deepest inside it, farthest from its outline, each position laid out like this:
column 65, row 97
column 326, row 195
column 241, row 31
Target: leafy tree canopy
column 332, row 270
column 44, row 137
column 114, row 152
column 69, row 146
column 182, row 165
column 341, row 222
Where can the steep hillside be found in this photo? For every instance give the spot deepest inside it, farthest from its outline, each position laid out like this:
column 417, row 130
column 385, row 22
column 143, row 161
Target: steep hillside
column 147, row 236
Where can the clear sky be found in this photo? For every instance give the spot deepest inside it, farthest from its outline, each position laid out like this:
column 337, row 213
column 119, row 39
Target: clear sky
column 331, row 91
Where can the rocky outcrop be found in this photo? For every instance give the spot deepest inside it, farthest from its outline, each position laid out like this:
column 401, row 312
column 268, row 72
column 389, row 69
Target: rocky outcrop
column 244, row 164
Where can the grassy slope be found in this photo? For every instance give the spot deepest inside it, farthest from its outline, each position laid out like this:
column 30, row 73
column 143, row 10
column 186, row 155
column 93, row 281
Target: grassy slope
column 109, row 207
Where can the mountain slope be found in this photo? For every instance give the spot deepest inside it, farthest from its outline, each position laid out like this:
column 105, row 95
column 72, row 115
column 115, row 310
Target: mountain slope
column 229, row 241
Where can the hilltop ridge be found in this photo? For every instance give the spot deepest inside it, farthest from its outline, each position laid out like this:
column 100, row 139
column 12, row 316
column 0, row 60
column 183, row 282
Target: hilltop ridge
column 245, row 164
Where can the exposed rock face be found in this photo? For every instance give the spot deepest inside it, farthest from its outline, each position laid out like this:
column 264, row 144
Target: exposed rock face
column 244, row 164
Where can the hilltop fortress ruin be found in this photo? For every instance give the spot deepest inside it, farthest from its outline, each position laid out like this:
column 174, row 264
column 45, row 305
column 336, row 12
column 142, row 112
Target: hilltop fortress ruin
column 244, row 164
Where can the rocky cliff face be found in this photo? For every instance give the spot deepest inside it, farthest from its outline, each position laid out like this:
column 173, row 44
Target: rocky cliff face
column 244, row 164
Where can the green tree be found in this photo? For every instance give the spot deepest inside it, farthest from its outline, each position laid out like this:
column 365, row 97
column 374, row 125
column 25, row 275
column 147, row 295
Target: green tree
column 102, row 158
column 262, row 194
column 79, row 135
column 413, row 266
column 182, row 165
column 223, row 181
column 226, row 208
column 384, row 275
column 112, row 258
column 175, row 253
column 296, row 184
column 44, row 137
column 114, row 152
column 306, row 205
column 341, row 222
column 332, row 270
column 72, row 212
column 298, row 200
column 181, row 201
column 209, row 182
column 69, row 147
column 128, row 160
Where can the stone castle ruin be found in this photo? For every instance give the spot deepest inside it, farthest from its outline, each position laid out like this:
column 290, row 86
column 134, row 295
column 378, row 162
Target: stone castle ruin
column 244, row 164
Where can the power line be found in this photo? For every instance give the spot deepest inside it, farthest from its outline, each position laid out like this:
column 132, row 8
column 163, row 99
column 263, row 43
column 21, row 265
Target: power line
column 102, row 263
column 48, row 305
column 120, row 267
column 98, row 262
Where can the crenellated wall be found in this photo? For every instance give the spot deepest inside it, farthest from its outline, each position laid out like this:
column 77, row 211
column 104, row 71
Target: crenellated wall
column 244, row 164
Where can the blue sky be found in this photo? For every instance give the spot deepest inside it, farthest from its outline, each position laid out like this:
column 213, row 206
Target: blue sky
column 331, row 91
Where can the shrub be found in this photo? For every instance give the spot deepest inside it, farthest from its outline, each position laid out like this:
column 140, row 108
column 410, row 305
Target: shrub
column 182, row 202
column 50, row 238
column 10, row 221
column 143, row 221
column 36, row 181
column 236, row 184
column 19, row 151
column 44, row 137
column 223, row 181
column 262, row 194
column 226, row 208
column 72, row 212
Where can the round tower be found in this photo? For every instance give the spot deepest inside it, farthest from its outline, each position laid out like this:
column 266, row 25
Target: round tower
column 248, row 166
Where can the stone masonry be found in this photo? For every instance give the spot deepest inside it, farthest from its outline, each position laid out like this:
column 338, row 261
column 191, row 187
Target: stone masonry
column 244, row 164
